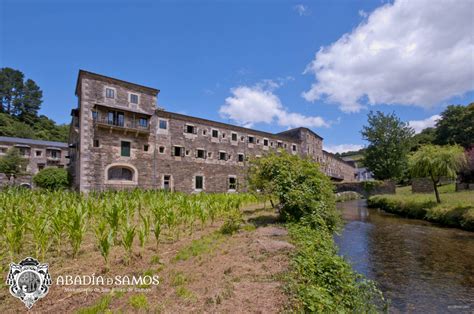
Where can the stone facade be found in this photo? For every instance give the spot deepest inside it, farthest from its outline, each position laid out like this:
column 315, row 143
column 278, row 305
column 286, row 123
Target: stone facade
column 120, row 139
column 40, row 154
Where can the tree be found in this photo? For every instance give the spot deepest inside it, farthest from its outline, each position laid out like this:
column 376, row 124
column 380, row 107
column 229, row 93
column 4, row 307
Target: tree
column 456, row 126
column 11, row 86
column 12, row 164
column 390, row 142
column 52, row 178
column 19, row 98
column 302, row 189
column 435, row 162
column 426, row 136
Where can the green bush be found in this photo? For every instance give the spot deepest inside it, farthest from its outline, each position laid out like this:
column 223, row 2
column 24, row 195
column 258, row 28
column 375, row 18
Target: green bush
column 302, row 189
column 52, row 179
column 321, row 281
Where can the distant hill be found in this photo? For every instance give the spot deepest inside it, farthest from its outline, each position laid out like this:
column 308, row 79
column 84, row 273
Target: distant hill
column 357, row 156
column 41, row 128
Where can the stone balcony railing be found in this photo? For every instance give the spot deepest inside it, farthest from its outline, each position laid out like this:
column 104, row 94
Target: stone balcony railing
column 127, row 124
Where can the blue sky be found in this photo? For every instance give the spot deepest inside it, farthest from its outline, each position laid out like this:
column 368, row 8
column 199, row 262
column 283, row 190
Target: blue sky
column 253, row 62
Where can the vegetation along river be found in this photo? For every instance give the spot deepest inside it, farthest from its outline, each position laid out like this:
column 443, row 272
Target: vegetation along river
column 420, row 267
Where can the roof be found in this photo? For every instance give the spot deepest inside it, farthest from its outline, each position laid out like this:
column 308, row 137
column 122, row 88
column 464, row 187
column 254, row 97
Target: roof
column 299, row 129
column 29, row 141
column 103, row 77
column 179, row 116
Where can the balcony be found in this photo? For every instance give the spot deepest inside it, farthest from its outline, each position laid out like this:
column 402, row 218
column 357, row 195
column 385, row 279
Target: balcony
column 53, row 158
column 125, row 125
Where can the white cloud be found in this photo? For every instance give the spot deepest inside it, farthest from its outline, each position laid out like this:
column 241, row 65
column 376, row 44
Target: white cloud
column 363, row 14
column 416, row 53
column 341, row 148
column 258, row 104
column 301, row 9
column 419, row 125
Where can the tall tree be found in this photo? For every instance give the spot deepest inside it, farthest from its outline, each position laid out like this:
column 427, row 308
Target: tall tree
column 435, row 162
column 19, row 98
column 389, row 143
column 12, row 164
column 11, row 88
column 456, row 126
column 31, row 98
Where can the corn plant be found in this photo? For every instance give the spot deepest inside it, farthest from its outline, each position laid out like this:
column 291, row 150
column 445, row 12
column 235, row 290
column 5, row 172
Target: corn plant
column 76, row 226
column 127, row 241
column 104, row 242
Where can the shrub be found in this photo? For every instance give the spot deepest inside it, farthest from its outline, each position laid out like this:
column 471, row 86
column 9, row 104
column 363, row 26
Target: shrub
column 52, row 178
column 302, row 189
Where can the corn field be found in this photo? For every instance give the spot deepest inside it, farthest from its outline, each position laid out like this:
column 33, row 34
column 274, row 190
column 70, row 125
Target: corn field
column 39, row 223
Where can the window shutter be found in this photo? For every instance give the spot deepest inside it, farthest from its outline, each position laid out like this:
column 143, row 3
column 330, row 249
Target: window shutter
column 205, row 154
column 172, row 151
column 182, row 151
column 195, row 130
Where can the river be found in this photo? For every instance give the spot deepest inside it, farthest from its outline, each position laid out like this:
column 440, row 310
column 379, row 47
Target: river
column 419, row 266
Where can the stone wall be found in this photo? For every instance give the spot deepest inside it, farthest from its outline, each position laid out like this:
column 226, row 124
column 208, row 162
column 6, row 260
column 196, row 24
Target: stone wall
column 425, row 185
column 422, row 185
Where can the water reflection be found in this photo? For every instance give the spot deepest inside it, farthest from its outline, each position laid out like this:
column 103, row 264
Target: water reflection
column 421, row 267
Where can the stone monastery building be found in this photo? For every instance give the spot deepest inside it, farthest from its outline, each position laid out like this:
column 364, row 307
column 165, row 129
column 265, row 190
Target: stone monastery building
column 119, row 138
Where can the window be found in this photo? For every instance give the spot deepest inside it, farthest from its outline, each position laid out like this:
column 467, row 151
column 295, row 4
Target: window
column 95, row 115
column 163, row 124
column 251, row 139
column 265, row 142
column 96, row 143
column 215, row 133
column 39, row 153
column 191, row 129
column 187, row 152
column 222, row 156
column 240, row 157
column 115, row 118
column 293, row 147
column 143, row 123
column 209, row 155
column 3, row 150
column 24, row 151
column 232, row 183
column 134, row 98
column 223, row 135
column 198, row 182
column 55, row 154
column 40, row 167
column 161, row 149
column 279, row 144
column 146, row 147
column 125, row 149
column 167, row 182
column 120, row 173
column 109, row 93
column 177, row 151
column 200, row 153
column 204, row 132
column 234, row 137
column 242, row 138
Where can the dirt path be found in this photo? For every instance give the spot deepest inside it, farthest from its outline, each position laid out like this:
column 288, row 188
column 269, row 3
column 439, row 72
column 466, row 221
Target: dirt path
column 209, row 272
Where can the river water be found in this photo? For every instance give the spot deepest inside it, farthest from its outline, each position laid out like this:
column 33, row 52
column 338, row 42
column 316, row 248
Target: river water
column 420, row 267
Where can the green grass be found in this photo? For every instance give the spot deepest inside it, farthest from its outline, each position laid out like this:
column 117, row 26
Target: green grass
column 455, row 210
column 100, row 307
column 321, row 281
column 186, row 294
column 201, row 246
column 138, row 301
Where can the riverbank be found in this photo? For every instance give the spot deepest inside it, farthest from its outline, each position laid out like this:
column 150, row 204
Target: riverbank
column 456, row 208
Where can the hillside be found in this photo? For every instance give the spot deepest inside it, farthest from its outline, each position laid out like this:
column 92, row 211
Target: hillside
column 41, row 128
